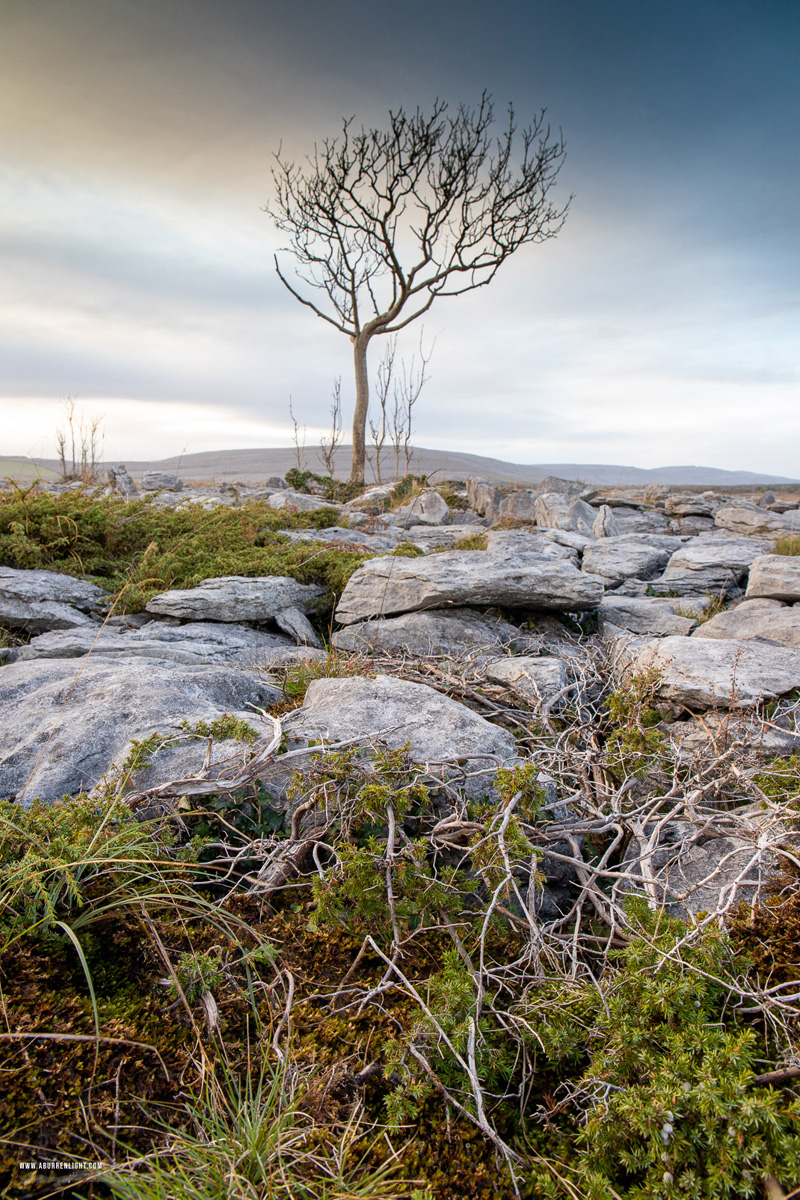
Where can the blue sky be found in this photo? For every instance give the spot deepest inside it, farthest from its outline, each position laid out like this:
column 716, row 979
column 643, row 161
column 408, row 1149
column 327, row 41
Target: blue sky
column 660, row 327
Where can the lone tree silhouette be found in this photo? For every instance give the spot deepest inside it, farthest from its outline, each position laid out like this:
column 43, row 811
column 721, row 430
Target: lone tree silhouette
column 381, row 222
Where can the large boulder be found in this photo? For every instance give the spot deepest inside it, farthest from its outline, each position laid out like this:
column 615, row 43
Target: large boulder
column 681, row 504
column 65, row 726
column 605, row 523
column 157, row 481
column 452, row 631
column 399, row 714
column 632, row 520
column 40, row 600
column 775, row 577
column 297, row 501
column 710, row 563
column 236, row 598
column 750, row 520
column 619, row 558
column 197, row 643
column 483, row 498
column 704, row 673
column 516, row 579
column 556, row 511
column 658, row 616
column 777, row 623
column 519, row 506
column 428, row 508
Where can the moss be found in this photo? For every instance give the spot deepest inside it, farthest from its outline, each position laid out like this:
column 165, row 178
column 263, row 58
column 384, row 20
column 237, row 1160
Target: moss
column 137, row 550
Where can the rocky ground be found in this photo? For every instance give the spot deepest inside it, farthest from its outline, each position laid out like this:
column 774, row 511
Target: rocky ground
column 595, row 689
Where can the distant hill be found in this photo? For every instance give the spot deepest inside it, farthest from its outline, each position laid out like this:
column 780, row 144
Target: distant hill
column 248, row 466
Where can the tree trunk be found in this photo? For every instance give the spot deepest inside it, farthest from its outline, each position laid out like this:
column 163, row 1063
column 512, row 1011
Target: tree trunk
column 360, row 343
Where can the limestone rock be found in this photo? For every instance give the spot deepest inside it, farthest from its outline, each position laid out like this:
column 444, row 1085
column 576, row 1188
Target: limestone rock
column 387, row 585
column 426, row 509
column 555, row 511
column 294, row 622
column 454, row 631
column 519, row 506
column 617, row 558
column 605, row 523
column 63, row 730
column 537, row 679
column 120, row 481
column 40, row 600
column 398, row 712
column 632, row 520
column 703, row 673
column 654, row 615
column 710, row 564
column 197, row 643
column 156, row 481
column 750, row 521
column 299, row 501
column 236, row 598
column 686, row 505
column 773, row 624
column 776, row 577
column 483, row 498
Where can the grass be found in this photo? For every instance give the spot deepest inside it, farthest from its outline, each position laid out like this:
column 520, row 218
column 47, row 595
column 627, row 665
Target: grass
column 137, row 550
column 789, row 546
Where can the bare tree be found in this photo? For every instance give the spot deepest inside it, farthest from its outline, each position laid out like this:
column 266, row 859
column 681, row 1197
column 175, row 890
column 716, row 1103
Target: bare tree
column 382, row 386
column 381, row 222
column 85, row 438
column 407, row 389
column 299, row 442
column 327, row 446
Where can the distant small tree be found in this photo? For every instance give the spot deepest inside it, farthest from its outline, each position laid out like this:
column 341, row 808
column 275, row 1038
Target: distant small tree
column 329, row 445
column 84, row 438
column 381, row 222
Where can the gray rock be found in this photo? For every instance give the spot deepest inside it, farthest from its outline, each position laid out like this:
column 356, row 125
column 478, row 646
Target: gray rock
column 710, row 564
column 298, row 626
column 631, row 520
column 775, row 577
column 776, row 625
column 750, row 521
column 197, row 643
column 484, row 498
column 435, row 537
column 387, row 585
column 398, row 712
column 703, row 673
column 533, row 543
column 766, row 499
column 157, row 481
column 537, row 679
column 697, row 870
column 454, row 631
column 121, row 482
column 236, row 598
column 573, row 541
column 426, row 509
column 519, row 506
column 687, row 505
column 605, row 523
column 298, row 501
column 63, row 728
column 40, row 600
column 657, row 616
column 621, row 558
column 691, row 526
column 554, row 511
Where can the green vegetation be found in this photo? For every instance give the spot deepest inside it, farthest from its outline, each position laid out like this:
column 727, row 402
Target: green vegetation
column 634, row 742
column 137, row 549
column 788, row 545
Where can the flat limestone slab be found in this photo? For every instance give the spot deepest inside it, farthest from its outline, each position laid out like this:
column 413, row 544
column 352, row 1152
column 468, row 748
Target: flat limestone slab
column 773, row 624
column 775, row 577
column 66, row 723
column 386, row 586
column 235, row 598
column 704, row 673
column 37, row 601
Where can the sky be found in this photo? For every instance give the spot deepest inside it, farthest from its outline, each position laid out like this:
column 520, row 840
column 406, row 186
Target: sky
column 136, row 260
